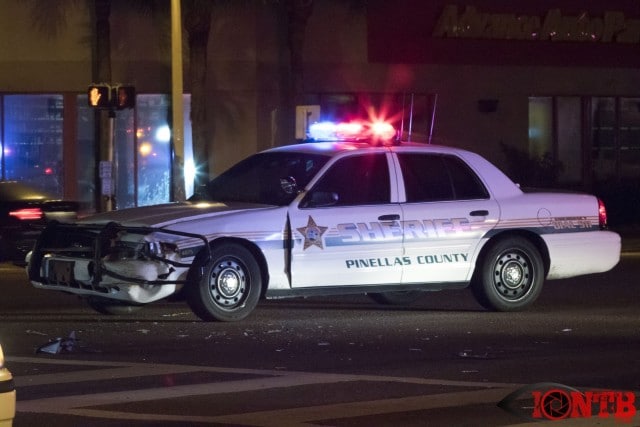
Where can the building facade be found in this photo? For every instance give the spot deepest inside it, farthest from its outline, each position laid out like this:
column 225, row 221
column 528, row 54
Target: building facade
column 548, row 90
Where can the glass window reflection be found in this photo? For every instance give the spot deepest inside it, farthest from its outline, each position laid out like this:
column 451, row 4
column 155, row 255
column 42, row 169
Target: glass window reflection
column 153, row 137
column 33, row 140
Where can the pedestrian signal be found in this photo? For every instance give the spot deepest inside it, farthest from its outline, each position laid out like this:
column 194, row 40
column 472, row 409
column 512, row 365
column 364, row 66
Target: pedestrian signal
column 124, row 97
column 111, row 97
column 99, row 96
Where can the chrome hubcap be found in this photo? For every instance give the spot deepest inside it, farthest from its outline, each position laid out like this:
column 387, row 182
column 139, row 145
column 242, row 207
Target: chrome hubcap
column 513, row 275
column 228, row 284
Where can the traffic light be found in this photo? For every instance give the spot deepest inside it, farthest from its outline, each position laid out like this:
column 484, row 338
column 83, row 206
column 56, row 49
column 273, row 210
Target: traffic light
column 99, row 96
column 124, row 97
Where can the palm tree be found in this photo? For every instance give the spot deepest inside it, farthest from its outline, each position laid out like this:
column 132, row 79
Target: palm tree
column 298, row 13
column 50, row 18
column 197, row 17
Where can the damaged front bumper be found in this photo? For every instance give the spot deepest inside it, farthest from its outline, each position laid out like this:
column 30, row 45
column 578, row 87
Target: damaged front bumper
column 132, row 264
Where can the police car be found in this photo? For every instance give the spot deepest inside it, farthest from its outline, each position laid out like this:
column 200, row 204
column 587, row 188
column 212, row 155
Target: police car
column 359, row 213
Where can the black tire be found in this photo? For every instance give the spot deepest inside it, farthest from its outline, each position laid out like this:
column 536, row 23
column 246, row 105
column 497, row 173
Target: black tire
column 230, row 286
column 509, row 276
column 397, row 298
column 111, row 307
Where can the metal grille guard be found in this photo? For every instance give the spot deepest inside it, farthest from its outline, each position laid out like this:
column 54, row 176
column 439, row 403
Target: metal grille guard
column 102, row 233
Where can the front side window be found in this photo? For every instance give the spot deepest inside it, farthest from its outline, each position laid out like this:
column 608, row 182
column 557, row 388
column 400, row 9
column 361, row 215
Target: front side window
column 436, row 177
column 265, row 178
column 357, row 180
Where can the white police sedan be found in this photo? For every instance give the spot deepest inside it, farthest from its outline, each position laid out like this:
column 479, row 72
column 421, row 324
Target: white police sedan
column 327, row 218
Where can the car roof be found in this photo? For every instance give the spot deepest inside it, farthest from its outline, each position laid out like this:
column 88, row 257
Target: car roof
column 501, row 185
column 335, row 147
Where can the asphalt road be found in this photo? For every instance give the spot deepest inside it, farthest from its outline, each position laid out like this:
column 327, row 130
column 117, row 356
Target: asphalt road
column 327, row 361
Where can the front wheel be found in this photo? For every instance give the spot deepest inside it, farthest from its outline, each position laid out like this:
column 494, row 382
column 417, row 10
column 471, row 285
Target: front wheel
column 509, row 276
column 230, row 286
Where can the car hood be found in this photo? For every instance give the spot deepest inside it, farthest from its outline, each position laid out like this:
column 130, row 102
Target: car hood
column 168, row 214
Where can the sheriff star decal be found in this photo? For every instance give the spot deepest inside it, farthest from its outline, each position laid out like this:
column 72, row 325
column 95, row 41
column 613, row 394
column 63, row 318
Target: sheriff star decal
column 312, row 234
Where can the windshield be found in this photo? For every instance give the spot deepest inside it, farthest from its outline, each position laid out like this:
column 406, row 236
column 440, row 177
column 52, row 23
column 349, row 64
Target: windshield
column 265, row 178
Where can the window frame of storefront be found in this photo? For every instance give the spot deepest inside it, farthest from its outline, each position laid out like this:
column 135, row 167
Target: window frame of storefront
column 588, row 145
column 70, row 148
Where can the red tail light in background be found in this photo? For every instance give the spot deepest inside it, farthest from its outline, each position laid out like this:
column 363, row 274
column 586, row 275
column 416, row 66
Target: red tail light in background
column 27, row 214
column 602, row 214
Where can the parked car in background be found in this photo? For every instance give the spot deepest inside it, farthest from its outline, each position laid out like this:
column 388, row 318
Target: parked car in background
column 24, row 212
column 7, row 395
column 385, row 218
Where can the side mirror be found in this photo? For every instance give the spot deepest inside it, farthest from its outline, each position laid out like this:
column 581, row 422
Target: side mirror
column 289, row 185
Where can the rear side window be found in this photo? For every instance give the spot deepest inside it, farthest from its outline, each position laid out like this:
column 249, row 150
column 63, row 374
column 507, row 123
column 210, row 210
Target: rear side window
column 439, row 177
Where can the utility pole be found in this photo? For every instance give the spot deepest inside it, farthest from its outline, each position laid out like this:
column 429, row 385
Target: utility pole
column 177, row 119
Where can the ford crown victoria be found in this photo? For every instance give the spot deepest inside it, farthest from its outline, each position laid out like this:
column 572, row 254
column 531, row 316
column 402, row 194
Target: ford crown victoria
column 329, row 218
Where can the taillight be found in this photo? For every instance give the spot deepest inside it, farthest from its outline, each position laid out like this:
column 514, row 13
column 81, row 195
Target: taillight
column 602, row 215
column 27, row 214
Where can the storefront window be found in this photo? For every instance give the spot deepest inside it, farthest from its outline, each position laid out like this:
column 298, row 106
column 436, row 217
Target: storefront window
column 540, row 126
column 31, row 137
column 630, row 137
column 153, row 137
column 603, row 142
column 85, row 160
column 569, row 153
column 32, row 140
column 124, row 160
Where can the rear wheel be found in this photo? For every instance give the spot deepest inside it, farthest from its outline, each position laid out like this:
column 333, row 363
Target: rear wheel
column 230, row 286
column 396, row 298
column 510, row 275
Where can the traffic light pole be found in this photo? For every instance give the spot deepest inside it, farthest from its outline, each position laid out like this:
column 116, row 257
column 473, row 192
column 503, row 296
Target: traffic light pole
column 110, row 197
column 109, row 97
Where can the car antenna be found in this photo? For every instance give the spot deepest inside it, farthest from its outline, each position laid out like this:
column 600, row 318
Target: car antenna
column 433, row 116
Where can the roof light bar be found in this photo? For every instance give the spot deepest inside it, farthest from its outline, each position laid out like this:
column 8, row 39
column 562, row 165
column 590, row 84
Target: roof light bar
column 351, row 131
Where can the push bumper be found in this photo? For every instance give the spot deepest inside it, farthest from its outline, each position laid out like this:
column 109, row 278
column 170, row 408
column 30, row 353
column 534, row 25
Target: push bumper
column 75, row 258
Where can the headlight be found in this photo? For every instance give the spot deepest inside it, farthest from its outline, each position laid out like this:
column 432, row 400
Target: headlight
column 121, row 251
column 127, row 251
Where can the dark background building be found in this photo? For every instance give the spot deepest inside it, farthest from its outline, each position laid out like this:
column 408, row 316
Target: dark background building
column 546, row 89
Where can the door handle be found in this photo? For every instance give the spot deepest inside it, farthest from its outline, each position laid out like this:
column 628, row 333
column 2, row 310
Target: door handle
column 391, row 217
column 481, row 212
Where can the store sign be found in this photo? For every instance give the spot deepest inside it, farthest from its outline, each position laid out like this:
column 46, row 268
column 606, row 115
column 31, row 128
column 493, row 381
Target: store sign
column 611, row 27
column 566, row 33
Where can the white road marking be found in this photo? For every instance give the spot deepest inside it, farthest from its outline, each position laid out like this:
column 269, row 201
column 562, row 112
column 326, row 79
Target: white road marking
column 81, row 405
